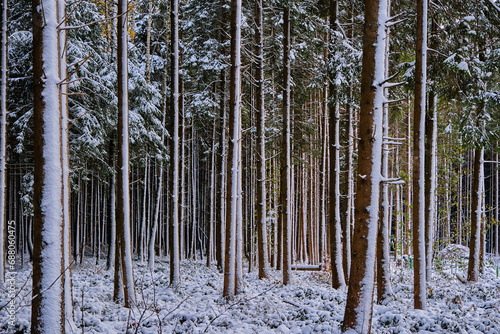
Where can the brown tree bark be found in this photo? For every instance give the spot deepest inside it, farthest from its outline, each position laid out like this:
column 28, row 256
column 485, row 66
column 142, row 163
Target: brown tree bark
column 430, row 180
column 419, row 253
column 338, row 279
column 285, row 170
column 48, row 308
column 475, row 233
column 174, row 146
column 261, row 138
column 123, row 192
column 359, row 305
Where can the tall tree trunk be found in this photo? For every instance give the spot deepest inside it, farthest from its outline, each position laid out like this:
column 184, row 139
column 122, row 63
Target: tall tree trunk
column 419, row 250
column 142, row 227
column 261, row 138
column 111, row 207
column 497, row 183
column 219, row 218
column 3, row 133
column 475, row 233
column 233, row 175
column 123, row 191
column 359, row 306
column 430, row 180
column 285, row 170
column 338, row 279
column 63, row 74
column 48, row 308
column 384, row 289
column 174, row 146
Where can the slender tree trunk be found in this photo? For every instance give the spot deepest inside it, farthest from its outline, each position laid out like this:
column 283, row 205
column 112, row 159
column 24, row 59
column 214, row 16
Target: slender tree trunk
column 148, row 41
column 123, row 192
column 48, row 308
column 67, row 261
column 359, row 306
column 285, row 170
column 174, row 146
column 384, row 289
column 219, row 227
column 142, row 232
column 497, row 203
column 475, row 234
column 261, row 137
column 111, row 207
column 233, row 174
column 430, row 180
column 3, row 134
column 338, row 279
column 419, row 250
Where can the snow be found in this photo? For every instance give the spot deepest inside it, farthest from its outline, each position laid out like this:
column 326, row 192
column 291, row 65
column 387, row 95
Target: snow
column 307, row 305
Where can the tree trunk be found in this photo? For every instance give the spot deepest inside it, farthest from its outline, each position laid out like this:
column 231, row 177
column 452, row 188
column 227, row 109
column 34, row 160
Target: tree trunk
column 419, row 250
column 384, row 289
column 285, row 170
column 67, row 261
column 48, row 307
column 338, row 279
column 111, row 207
column 261, row 138
column 475, row 233
column 233, row 174
column 3, row 134
column 359, row 306
column 173, row 188
column 219, row 224
column 123, row 192
column 430, row 180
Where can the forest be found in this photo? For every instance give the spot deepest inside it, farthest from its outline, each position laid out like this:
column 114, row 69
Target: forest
column 249, row 166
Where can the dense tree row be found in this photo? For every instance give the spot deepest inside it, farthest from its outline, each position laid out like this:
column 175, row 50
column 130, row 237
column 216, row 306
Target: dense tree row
column 342, row 135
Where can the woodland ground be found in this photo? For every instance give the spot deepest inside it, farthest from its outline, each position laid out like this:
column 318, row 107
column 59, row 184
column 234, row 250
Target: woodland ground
column 308, row 305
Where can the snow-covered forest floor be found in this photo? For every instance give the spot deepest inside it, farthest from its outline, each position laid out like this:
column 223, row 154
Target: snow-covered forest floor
column 308, row 305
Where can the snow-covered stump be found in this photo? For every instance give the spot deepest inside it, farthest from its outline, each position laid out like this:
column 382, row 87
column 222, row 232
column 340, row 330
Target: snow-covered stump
column 51, row 172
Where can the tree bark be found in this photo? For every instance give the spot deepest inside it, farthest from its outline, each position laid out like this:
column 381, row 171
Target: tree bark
column 261, row 137
column 48, row 307
column 359, row 306
column 3, row 133
column 233, row 174
column 419, row 250
column 285, row 170
column 123, row 192
column 430, row 180
column 338, row 279
column 174, row 146
column 475, row 233
column 384, row 289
